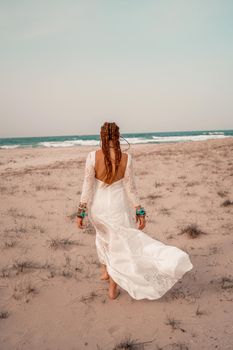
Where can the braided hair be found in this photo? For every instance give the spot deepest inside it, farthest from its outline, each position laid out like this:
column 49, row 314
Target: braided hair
column 110, row 131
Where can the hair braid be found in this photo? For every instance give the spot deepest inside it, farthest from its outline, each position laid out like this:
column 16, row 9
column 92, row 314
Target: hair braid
column 110, row 131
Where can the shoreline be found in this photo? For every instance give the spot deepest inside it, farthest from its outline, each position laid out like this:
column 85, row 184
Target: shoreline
column 67, row 141
column 80, row 152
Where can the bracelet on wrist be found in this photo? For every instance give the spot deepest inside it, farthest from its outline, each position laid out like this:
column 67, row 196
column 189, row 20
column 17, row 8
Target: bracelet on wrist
column 81, row 214
column 82, row 210
column 140, row 212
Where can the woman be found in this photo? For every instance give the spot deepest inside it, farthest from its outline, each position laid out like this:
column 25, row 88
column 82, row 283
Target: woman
column 146, row 268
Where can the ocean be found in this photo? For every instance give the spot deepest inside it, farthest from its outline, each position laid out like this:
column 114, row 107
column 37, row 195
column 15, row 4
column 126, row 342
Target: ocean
column 132, row 138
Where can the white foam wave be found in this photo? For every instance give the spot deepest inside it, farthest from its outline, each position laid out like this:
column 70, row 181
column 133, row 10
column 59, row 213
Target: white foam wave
column 137, row 140
column 9, row 146
column 133, row 140
column 188, row 138
column 216, row 133
column 69, row 143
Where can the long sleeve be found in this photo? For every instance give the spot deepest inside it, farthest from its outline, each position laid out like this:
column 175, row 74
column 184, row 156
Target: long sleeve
column 88, row 182
column 130, row 183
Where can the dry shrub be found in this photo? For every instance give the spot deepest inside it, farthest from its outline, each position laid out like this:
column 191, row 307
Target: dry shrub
column 157, row 184
column 23, row 289
column 39, row 228
column 19, row 214
column 8, row 243
column 8, row 190
column 20, row 265
column 68, row 270
column 153, row 196
column 62, row 243
column 226, row 282
column 175, row 324
column 222, row 193
column 192, row 183
column 200, row 312
column 47, row 187
column 90, row 297
column 4, row 315
column 165, row 211
column 227, row 203
column 5, row 272
column 131, row 344
column 192, row 230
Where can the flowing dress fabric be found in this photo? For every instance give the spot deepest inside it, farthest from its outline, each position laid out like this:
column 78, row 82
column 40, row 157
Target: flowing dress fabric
column 146, row 268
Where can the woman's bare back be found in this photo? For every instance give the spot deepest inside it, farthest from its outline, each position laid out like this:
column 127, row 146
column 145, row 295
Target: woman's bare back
column 100, row 170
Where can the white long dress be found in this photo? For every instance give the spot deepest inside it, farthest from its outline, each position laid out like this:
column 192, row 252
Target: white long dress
column 146, row 268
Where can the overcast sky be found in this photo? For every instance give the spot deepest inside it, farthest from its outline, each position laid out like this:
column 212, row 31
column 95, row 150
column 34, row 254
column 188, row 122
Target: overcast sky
column 68, row 66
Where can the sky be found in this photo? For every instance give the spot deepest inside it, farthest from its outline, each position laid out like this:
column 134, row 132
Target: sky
column 68, row 66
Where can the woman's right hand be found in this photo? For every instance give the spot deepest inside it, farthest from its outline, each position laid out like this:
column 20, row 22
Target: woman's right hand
column 142, row 222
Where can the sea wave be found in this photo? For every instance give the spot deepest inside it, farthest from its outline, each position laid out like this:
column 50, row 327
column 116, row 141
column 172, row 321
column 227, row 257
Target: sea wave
column 214, row 133
column 10, row 146
column 188, row 138
column 69, row 143
column 132, row 140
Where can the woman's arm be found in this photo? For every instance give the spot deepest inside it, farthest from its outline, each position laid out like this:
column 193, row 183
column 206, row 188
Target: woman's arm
column 131, row 188
column 88, row 184
column 130, row 184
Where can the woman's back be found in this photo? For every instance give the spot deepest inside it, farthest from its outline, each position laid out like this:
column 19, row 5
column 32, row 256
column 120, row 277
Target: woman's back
column 100, row 169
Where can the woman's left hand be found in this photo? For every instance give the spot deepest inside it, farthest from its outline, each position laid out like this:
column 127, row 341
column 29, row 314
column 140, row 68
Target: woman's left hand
column 80, row 223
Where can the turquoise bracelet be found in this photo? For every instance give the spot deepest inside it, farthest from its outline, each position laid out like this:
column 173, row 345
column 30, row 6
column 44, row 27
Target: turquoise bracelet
column 140, row 211
column 82, row 214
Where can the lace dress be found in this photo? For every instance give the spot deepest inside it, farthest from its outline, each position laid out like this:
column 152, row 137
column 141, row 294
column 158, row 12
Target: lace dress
column 144, row 267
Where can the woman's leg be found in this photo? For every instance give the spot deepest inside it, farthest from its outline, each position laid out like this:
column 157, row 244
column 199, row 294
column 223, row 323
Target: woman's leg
column 105, row 275
column 113, row 292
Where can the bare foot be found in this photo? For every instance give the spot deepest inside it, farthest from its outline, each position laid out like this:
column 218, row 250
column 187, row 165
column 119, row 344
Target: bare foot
column 113, row 292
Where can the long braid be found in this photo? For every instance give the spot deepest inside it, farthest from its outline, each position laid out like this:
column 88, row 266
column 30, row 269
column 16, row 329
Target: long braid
column 110, row 131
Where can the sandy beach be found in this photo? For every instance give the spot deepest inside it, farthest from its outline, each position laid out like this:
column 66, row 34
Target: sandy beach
column 51, row 295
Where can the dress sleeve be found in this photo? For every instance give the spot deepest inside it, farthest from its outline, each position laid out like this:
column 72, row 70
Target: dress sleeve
column 130, row 183
column 88, row 182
